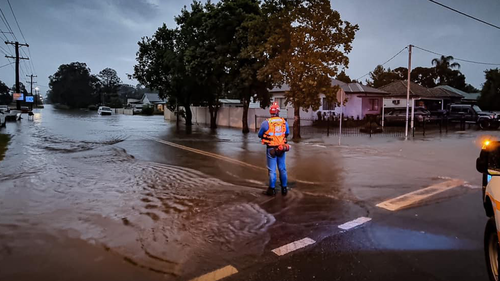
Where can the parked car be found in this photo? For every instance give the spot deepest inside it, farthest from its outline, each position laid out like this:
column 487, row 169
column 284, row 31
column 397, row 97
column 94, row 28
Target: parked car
column 3, row 116
column 4, row 108
column 472, row 113
column 104, row 110
column 398, row 115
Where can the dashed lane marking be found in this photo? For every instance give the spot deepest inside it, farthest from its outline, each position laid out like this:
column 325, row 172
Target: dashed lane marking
column 217, row 274
column 408, row 199
column 288, row 248
column 354, row 223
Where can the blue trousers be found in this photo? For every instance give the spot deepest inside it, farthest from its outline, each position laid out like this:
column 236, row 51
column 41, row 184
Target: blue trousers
column 271, row 167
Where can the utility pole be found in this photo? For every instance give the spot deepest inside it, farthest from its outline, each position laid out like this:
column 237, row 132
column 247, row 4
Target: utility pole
column 31, row 87
column 408, row 91
column 17, row 58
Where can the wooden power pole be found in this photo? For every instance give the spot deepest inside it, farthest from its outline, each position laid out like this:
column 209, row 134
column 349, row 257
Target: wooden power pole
column 17, row 58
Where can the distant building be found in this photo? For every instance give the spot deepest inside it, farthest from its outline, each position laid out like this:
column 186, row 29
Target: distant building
column 433, row 99
column 361, row 100
column 154, row 100
column 467, row 97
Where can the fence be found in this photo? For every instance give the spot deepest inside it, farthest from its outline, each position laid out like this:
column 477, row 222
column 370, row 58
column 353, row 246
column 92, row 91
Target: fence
column 372, row 127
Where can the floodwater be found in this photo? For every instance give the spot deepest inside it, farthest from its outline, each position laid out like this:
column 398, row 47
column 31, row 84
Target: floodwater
column 100, row 193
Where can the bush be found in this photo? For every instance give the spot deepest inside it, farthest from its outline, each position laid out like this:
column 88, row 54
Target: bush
column 147, row 110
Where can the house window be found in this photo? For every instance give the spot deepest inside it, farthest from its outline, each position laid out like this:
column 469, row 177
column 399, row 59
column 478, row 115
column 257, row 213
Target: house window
column 373, row 104
column 328, row 105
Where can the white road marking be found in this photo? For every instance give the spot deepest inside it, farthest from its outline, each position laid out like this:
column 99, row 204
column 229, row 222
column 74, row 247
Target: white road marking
column 408, row 199
column 354, row 223
column 217, row 274
column 471, row 186
column 283, row 250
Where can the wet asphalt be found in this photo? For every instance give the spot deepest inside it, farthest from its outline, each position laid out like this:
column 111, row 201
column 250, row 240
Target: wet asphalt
column 85, row 197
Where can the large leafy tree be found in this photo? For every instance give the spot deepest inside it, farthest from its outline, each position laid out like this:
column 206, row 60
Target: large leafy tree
column 204, row 59
column 109, row 86
column 490, row 93
column 307, row 44
column 161, row 67
column 73, row 85
column 246, row 52
column 5, row 97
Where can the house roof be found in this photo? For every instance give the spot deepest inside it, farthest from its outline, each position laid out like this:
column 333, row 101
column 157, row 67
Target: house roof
column 398, row 89
column 465, row 95
column 349, row 88
column 152, row 97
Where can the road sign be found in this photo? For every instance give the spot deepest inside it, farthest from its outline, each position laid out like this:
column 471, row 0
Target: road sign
column 18, row 96
column 30, row 99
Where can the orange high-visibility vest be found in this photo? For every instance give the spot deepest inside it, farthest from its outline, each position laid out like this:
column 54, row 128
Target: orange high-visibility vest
column 275, row 135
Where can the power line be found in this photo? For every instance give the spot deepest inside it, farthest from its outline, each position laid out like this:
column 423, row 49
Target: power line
column 7, row 24
column 15, row 18
column 386, row 61
column 457, row 59
column 464, row 14
column 2, row 66
column 31, row 65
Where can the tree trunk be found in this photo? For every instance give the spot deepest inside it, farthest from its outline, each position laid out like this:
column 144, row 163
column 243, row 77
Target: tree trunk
column 213, row 116
column 244, row 120
column 189, row 115
column 296, row 122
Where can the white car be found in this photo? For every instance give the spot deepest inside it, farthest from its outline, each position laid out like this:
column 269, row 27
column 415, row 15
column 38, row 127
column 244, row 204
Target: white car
column 104, row 110
column 488, row 164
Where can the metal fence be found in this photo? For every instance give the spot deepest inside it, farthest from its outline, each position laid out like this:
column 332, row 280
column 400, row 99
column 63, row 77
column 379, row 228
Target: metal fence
column 372, row 127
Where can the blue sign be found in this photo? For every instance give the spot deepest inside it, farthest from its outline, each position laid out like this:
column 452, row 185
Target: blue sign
column 30, row 99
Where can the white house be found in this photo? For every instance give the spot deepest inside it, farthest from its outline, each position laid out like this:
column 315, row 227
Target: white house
column 155, row 100
column 361, row 100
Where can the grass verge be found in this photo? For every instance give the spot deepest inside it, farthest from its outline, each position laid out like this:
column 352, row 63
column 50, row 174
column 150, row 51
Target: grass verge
column 4, row 142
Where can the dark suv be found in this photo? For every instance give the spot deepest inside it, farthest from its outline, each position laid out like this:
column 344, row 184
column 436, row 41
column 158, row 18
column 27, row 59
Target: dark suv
column 472, row 113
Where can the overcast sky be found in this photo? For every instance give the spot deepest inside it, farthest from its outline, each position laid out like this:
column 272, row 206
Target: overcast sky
column 104, row 33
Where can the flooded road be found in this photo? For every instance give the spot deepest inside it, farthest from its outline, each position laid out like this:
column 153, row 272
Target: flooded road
column 122, row 197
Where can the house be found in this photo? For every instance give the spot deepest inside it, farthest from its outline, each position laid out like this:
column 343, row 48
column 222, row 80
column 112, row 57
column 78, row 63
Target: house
column 154, row 100
column 361, row 100
column 433, row 99
column 470, row 98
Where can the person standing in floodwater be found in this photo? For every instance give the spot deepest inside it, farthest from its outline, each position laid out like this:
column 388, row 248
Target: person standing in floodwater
column 273, row 133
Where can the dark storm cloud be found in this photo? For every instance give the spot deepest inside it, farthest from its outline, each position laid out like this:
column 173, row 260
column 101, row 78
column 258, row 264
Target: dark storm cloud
column 104, row 33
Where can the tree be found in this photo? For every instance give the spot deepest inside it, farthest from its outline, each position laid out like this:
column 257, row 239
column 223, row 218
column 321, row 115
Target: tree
column 381, row 77
column 490, row 93
column 21, row 87
column 73, row 85
column 307, row 42
column 204, row 59
column 443, row 67
column 342, row 76
column 424, row 76
column 161, row 67
column 109, row 86
column 5, row 97
column 245, row 53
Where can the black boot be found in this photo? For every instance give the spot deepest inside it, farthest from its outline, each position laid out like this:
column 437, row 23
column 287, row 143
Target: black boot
column 284, row 190
column 270, row 192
